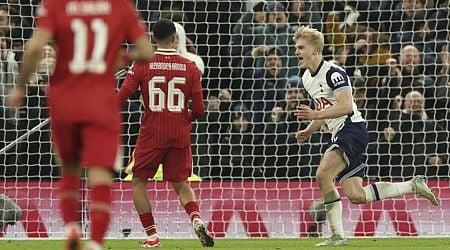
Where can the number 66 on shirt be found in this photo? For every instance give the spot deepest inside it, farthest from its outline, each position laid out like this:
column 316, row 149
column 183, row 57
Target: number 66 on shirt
column 167, row 82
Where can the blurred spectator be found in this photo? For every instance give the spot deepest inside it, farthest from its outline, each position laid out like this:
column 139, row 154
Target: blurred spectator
column 209, row 129
column 366, row 13
column 176, row 11
column 362, row 51
column 340, row 56
column 213, row 21
column 276, row 32
column 181, row 48
column 237, row 148
column 413, row 143
column 405, row 76
column 367, row 54
column 335, row 35
column 441, row 106
column 222, row 139
column 282, row 150
column 205, row 140
column 265, row 88
column 243, row 36
column 404, row 21
column 15, row 28
column 35, row 160
column 369, row 112
column 304, row 13
column 8, row 71
column 439, row 22
column 25, row 9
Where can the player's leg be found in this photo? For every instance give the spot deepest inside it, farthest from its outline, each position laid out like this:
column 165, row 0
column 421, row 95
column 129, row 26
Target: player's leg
column 187, row 199
column 100, row 180
column 144, row 209
column 354, row 190
column 146, row 162
column 177, row 169
column 69, row 195
column 330, row 166
column 99, row 155
column 343, row 159
column 353, row 145
column 67, row 144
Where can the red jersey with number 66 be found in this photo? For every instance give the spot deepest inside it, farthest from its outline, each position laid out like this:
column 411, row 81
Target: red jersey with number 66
column 88, row 36
column 167, row 83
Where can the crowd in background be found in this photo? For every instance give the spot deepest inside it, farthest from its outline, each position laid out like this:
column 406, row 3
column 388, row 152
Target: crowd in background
column 395, row 52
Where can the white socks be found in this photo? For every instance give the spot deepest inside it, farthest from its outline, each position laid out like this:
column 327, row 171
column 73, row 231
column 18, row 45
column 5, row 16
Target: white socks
column 333, row 205
column 376, row 191
column 387, row 190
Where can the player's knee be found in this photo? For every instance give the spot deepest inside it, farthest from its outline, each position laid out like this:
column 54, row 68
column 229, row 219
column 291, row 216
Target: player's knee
column 357, row 198
column 322, row 177
column 178, row 186
column 138, row 182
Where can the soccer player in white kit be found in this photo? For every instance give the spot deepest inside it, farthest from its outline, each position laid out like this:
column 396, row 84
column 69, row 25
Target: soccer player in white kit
column 330, row 87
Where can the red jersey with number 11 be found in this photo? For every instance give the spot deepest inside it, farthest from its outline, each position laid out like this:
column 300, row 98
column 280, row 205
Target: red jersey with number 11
column 88, row 36
column 167, row 83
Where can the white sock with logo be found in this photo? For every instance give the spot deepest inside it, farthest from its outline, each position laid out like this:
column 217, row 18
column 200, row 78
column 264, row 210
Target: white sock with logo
column 333, row 205
column 387, row 190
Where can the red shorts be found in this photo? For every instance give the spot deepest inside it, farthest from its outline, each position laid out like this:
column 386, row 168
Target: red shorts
column 177, row 163
column 90, row 144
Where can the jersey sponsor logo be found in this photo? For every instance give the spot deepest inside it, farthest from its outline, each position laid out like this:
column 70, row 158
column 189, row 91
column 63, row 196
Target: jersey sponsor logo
column 322, row 103
column 337, row 79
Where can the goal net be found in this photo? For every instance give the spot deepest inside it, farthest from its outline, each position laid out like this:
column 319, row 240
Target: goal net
column 251, row 176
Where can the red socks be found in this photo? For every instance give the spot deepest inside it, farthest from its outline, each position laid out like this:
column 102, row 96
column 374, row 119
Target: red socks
column 148, row 222
column 100, row 209
column 69, row 198
column 192, row 210
column 100, row 205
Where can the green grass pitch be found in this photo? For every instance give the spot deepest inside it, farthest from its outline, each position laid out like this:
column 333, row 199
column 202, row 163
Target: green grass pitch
column 236, row 244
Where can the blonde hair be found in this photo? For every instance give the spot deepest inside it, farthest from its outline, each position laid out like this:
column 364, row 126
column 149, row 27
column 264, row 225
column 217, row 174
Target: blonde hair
column 311, row 35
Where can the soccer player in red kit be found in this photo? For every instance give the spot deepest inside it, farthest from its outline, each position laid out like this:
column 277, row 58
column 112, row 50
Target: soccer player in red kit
column 85, row 120
column 167, row 82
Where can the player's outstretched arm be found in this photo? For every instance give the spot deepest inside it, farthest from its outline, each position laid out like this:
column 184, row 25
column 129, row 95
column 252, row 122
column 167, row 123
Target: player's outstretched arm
column 130, row 84
column 32, row 55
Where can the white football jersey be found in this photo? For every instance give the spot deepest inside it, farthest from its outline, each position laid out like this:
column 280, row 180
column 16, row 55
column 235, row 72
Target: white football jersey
column 321, row 86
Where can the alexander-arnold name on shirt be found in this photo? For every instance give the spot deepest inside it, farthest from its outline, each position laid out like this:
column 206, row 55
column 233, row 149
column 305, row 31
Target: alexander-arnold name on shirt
column 167, row 66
